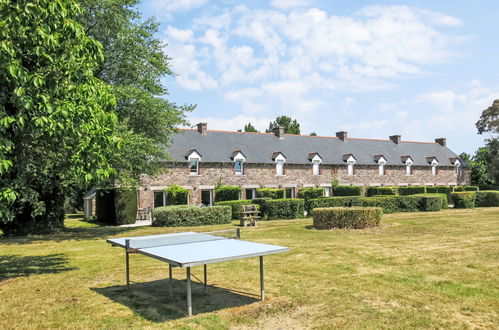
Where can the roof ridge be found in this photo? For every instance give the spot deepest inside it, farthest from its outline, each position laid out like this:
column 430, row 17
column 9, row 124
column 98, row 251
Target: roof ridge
column 310, row 136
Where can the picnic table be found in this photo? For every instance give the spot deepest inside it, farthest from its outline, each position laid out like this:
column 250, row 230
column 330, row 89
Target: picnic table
column 249, row 215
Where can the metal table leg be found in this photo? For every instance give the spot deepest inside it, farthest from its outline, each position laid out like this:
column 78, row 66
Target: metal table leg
column 189, row 296
column 262, row 288
column 170, row 281
column 205, row 278
column 127, row 262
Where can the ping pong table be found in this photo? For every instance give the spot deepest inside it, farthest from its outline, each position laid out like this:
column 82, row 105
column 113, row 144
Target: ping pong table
column 189, row 249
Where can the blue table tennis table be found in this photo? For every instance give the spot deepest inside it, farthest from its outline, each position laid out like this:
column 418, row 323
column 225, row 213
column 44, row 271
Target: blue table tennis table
column 189, row 249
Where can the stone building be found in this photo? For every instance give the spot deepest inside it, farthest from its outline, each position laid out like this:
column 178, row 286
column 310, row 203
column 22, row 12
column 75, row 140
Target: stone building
column 201, row 158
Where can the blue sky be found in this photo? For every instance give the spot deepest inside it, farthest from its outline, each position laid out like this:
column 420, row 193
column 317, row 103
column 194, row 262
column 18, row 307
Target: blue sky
column 422, row 69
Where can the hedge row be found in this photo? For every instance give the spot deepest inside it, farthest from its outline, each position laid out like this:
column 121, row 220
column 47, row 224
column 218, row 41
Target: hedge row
column 187, row 215
column 347, row 191
column 286, row 208
column 487, row 198
column 227, row 193
column 465, row 188
column 235, row 206
column 390, row 203
column 177, row 195
column 372, row 191
column 411, row 190
column 273, row 193
column 347, row 217
column 463, row 199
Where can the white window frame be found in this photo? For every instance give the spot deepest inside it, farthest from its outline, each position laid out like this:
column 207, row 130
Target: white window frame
column 154, row 197
column 434, row 165
column 253, row 193
column 457, row 167
column 350, row 164
column 327, row 191
column 316, row 163
column 194, row 156
column 408, row 167
column 238, row 171
column 381, row 166
column 279, row 165
column 293, row 192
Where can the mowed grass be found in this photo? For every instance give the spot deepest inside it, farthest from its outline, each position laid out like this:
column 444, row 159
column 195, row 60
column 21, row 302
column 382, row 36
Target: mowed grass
column 419, row 270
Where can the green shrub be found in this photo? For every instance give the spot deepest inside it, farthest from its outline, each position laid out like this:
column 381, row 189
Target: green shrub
column 488, row 187
column 347, row 217
column 464, row 199
column 177, row 195
column 347, row 191
column 287, row 208
column 227, row 193
column 431, row 202
column 439, row 190
column 465, row 188
column 411, row 190
column 236, row 206
column 333, row 202
column 187, row 215
column 444, row 199
column 273, row 193
column 487, row 198
column 373, row 191
column 391, row 204
column 308, row 194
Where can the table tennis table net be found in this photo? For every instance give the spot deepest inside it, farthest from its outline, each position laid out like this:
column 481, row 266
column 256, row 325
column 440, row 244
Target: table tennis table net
column 142, row 243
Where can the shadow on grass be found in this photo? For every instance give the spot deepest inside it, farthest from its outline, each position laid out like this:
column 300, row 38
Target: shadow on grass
column 77, row 233
column 152, row 301
column 12, row 266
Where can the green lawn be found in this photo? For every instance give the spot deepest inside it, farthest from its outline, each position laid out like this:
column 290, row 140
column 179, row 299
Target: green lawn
column 419, row 270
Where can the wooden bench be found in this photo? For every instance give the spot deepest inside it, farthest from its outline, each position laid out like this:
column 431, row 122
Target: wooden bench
column 249, row 215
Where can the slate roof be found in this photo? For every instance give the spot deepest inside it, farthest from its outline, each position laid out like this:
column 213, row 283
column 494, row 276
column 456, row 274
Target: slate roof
column 218, row 146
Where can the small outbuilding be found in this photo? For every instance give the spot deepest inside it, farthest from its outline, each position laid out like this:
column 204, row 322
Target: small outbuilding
column 89, row 204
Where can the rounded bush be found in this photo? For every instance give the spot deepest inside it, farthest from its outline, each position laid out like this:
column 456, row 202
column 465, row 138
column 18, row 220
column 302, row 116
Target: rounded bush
column 464, row 199
column 347, row 217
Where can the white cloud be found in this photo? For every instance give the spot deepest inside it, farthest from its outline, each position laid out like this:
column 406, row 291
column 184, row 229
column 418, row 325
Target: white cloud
column 286, row 4
column 179, row 34
column 165, row 8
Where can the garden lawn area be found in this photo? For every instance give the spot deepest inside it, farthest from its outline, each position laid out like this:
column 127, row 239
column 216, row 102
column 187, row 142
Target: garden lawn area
column 419, row 270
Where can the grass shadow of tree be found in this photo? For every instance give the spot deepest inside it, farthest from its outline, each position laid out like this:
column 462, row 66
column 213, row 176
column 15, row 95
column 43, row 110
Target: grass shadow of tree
column 152, row 301
column 13, row 266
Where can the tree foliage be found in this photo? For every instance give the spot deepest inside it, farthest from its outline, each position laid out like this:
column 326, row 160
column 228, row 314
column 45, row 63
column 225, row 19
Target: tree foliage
column 56, row 121
column 250, row 128
column 291, row 126
column 489, row 120
column 134, row 64
column 484, row 163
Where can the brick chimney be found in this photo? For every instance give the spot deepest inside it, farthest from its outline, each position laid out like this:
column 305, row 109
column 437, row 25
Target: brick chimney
column 395, row 139
column 441, row 141
column 343, row 135
column 279, row 132
column 203, row 128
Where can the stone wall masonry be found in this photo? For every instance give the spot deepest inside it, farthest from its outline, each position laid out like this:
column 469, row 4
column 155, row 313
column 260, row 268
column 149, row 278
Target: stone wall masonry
column 263, row 175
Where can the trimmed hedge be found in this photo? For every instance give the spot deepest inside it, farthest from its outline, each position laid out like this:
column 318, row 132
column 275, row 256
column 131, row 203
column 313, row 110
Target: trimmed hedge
column 227, row 193
column 413, row 203
column 308, row 194
column 439, row 190
column 487, row 198
column 333, row 202
column 177, row 195
column 488, row 187
column 373, row 191
column 431, row 203
column 287, row 208
column 411, row 190
column 464, row 199
column 465, row 188
column 235, row 206
column 187, row 215
column 116, row 206
column 445, row 200
column 347, row 191
column 347, row 217
column 273, row 193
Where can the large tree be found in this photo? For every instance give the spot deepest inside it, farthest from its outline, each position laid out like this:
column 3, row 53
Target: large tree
column 250, row 128
column 134, row 65
column 291, row 126
column 56, row 122
column 489, row 120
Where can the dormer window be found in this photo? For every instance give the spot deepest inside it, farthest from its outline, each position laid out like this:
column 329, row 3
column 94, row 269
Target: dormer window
column 350, row 160
column 279, row 160
column 457, row 167
column 434, row 165
column 194, row 158
column 380, row 159
column 408, row 164
column 239, row 159
column 316, row 160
